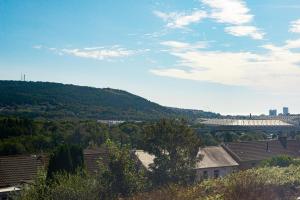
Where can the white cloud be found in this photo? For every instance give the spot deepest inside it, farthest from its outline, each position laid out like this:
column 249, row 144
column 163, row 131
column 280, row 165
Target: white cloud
column 175, row 45
column 292, row 44
column 234, row 12
column 37, row 46
column 181, row 19
column 98, row 52
column 275, row 71
column 295, row 26
column 250, row 31
column 229, row 11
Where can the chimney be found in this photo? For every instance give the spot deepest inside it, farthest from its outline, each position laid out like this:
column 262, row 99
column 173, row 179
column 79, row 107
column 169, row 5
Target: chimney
column 283, row 139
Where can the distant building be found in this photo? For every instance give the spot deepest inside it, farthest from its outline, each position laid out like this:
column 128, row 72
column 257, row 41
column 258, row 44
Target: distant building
column 272, row 112
column 285, row 111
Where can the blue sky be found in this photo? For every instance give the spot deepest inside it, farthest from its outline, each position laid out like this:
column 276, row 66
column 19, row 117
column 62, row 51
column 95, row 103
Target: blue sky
column 226, row 56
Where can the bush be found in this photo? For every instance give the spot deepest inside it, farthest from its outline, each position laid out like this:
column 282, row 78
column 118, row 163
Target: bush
column 64, row 186
column 279, row 161
column 254, row 184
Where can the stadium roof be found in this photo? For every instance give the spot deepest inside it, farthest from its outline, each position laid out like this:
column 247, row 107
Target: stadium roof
column 241, row 122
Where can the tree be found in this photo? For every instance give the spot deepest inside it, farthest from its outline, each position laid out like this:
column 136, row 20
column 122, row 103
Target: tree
column 279, row 161
column 119, row 174
column 175, row 146
column 65, row 159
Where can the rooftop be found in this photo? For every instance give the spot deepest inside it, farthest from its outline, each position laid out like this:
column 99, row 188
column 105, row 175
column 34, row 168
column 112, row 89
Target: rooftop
column 215, row 156
column 19, row 169
column 260, row 150
column 240, row 122
column 145, row 158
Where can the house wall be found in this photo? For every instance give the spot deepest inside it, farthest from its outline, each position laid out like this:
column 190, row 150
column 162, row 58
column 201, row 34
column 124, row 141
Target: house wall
column 243, row 165
column 214, row 172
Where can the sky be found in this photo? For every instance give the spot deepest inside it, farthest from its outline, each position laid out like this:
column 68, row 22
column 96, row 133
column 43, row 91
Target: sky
column 225, row 56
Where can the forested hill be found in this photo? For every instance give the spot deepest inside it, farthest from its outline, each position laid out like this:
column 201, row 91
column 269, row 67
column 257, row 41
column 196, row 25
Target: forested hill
column 55, row 100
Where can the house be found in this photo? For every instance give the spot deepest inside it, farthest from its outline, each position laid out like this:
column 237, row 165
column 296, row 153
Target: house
column 18, row 170
column 216, row 162
column 92, row 158
column 249, row 154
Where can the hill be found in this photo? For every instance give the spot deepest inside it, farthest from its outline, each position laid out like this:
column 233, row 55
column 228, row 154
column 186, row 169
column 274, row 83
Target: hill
column 55, row 100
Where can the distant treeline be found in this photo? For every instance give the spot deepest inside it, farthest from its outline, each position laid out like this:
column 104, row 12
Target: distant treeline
column 23, row 135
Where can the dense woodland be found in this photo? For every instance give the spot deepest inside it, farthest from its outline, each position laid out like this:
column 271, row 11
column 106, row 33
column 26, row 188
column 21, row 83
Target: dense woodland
column 57, row 101
column 23, row 135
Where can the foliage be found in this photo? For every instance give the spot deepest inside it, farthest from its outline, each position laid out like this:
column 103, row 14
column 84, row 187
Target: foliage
column 175, row 146
column 120, row 175
column 254, row 184
column 66, row 159
column 59, row 101
column 78, row 186
column 280, row 161
column 215, row 138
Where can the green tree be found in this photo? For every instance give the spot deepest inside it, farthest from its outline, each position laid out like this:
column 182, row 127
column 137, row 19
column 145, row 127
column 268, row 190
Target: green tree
column 119, row 174
column 279, row 161
column 175, row 146
column 65, row 159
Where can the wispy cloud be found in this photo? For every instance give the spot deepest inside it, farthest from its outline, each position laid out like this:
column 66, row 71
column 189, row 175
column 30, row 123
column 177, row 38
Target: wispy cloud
column 97, row 52
column 276, row 71
column 250, row 31
column 295, row 26
column 37, row 46
column 181, row 19
column 231, row 12
column 176, row 45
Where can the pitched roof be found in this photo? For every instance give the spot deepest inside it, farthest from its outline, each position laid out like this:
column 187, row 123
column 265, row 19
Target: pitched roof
column 145, row 158
column 260, row 150
column 92, row 157
column 15, row 170
column 215, row 156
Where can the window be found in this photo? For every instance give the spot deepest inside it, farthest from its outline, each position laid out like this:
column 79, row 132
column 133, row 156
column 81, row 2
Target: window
column 205, row 175
column 216, row 173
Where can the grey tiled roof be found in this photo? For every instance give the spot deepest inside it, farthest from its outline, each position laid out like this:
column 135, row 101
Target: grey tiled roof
column 20, row 168
column 215, row 156
column 260, row 150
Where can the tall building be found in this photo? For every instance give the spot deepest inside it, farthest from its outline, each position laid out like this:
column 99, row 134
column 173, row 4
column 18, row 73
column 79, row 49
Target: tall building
column 285, row 111
column 272, row 112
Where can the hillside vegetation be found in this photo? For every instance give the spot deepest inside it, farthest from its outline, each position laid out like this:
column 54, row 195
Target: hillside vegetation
column 268, row 183
column 54, row 100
